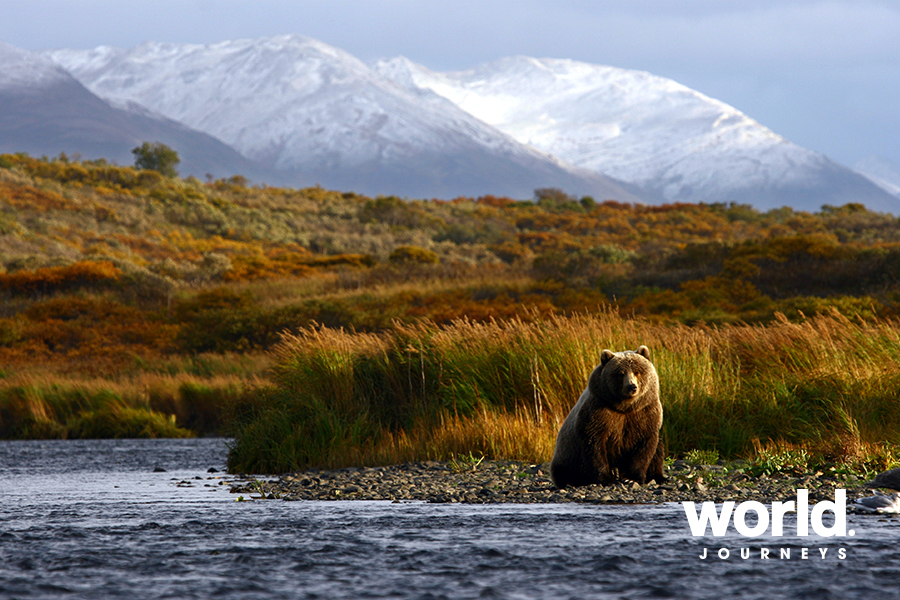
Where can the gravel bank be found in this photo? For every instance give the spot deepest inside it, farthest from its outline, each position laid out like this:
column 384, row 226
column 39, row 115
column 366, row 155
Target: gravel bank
column 495, row 481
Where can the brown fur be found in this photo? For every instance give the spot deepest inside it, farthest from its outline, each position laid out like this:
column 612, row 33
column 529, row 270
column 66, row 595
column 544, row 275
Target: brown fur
column 612, row 432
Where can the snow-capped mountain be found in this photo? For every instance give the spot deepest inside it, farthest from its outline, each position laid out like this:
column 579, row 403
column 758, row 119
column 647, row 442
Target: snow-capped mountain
column 22, row 69
column 883, row 172
column 298, row 105
column 45, row 111
column 643, row 129
column 321, row 115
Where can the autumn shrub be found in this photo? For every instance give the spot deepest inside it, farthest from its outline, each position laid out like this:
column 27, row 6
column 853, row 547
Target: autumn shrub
column 83, row 333
column 10, row 331
column 413, row 254
column 48, row 280
column 241, row 329
column 393, row 211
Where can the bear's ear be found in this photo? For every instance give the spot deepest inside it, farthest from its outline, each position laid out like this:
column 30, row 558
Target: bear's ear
column 605, row 356
column 644, row 351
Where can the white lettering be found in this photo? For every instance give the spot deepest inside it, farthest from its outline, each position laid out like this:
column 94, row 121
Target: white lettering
column 842, row 554
column 802, row 512
column 703, row 556
column 804, row 553
column 839, row 508
column 778, row 511
column 724, row 551
column 764, row 553
column 718, row 523
column 745, row 553
column 785, row 553
column 762, row 515
column 823, row 552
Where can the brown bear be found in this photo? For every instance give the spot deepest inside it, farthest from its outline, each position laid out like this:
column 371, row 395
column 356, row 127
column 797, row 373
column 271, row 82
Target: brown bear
column 612, row 432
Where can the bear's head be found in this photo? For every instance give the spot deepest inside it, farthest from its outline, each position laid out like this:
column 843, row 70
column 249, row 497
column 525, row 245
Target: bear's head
column 625, row 381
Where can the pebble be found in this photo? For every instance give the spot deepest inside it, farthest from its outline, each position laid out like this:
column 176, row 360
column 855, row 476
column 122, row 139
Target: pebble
column 503, row 481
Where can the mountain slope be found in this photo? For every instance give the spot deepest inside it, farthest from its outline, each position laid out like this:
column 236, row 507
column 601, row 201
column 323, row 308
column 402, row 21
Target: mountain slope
column 643, row 129
column 883, row 172
column 44, row 111
column 298, row 105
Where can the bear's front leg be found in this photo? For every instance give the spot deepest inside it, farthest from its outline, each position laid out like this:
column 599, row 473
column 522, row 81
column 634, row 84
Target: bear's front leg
column 642, row 465
column 656, row 470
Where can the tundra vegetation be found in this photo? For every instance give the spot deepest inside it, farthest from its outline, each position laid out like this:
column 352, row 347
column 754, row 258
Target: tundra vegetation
column 326, row 328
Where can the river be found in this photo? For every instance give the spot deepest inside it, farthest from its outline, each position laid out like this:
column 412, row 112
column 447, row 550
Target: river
column 146, row 519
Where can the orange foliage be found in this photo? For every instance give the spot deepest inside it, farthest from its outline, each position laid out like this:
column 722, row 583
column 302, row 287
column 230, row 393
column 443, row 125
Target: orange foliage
column 28, row 197
column 53, row 279
column 88, row 335
column 499, row 202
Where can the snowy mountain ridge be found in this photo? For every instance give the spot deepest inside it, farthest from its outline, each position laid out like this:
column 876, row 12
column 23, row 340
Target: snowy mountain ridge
column 22, row 68
column 294, row 103
column 631, row 125
column 244, row 93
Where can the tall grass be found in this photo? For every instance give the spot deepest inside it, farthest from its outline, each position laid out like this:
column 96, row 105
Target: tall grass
column 148, row 405
column 826, row 384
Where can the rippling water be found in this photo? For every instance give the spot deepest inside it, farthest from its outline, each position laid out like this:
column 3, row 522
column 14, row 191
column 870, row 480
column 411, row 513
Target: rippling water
column 90, row 519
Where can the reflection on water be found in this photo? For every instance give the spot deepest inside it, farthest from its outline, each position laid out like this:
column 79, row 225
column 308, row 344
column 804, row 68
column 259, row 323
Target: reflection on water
column 88, row 519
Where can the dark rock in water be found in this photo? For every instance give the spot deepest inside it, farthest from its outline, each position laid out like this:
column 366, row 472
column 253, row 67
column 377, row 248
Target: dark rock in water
column 158, row 470
column 888, row 479
column 212, row 470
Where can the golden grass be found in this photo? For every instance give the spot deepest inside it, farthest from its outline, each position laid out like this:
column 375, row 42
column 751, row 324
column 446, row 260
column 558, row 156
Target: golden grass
column 828, row 385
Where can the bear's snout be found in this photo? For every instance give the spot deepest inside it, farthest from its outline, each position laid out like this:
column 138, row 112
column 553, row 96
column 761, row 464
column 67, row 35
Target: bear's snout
column 630, row 385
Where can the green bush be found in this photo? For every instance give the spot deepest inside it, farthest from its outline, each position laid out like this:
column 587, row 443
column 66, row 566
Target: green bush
column 156, row 157
column 121, row 421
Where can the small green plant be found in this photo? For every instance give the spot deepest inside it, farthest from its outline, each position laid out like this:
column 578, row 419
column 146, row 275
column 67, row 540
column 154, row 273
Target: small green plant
column 465, row 462
column 769, row 462
column 702, row 457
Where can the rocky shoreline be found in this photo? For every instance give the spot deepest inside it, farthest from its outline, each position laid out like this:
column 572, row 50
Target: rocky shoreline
column 506, row 481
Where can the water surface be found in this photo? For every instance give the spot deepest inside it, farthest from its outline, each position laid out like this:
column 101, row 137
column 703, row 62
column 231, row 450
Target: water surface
column 90, row 519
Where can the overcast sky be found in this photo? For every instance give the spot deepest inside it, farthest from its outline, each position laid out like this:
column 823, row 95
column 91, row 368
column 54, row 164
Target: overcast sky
column 825, row 75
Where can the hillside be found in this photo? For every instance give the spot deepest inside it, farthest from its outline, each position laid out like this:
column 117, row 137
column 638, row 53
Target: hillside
column 328, row 328
column 283, row 258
